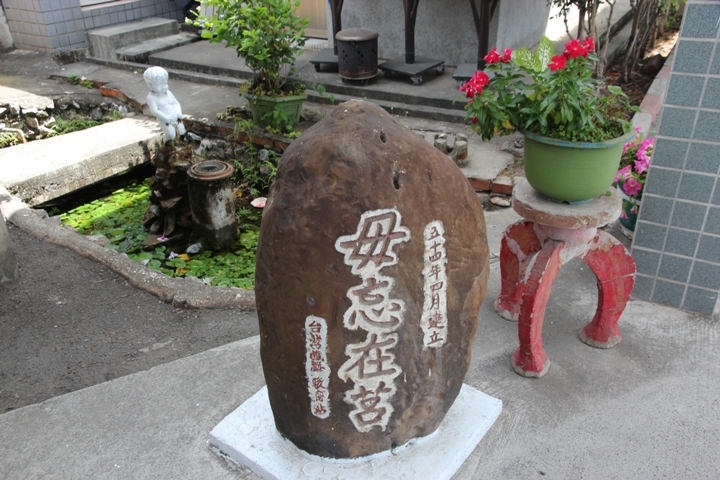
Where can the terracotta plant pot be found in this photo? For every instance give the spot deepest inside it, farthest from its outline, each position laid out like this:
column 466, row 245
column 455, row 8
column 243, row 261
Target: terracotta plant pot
column 572, row 172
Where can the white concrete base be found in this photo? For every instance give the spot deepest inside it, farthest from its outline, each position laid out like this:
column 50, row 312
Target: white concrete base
column 248, row 437
column 52, row 167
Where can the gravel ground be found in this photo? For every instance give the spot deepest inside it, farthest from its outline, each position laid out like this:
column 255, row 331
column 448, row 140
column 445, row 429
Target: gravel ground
column 69, row 323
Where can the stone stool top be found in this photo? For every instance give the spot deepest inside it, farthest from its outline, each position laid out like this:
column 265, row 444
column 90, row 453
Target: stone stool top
column 598, row 212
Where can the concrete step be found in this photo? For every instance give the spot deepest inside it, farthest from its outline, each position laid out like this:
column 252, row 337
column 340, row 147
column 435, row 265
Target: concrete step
column 412, row 108
column 103, row 42
column 417, row 99
column 46, row 169
column 140, row 52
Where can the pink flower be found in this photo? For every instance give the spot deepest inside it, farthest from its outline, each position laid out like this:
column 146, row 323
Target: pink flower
column 475, row 85
column 574, row 49
column 632, row 187
column 623, row 215
column 647, row 143
column 162, row 238
column 623, row 174
column 492, row 57
column 506, row 56
column 172, row 255
column 642, row 163
column 557, row 63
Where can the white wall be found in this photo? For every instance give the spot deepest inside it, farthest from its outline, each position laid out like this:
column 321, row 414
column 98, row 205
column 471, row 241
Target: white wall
column 445, row 29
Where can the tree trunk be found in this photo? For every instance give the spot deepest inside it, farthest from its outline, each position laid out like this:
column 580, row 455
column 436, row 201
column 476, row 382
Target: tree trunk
column 643, row 33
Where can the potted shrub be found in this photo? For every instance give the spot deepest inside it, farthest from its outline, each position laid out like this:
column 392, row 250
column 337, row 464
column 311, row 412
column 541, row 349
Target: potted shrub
column 630, row 178
column 268, row 36
column 574, row 127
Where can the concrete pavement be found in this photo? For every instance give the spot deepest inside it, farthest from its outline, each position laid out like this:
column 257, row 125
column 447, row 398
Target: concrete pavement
column 647, row 408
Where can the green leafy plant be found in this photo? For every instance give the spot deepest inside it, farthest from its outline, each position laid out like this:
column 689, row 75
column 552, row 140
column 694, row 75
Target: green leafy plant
column 75, row 80
column 256, row 175
column 266, row 34
column 551, row 95
column 320, row 89
column 8, row 139
column 278, row 121
column 243, row 125
column 63, row 126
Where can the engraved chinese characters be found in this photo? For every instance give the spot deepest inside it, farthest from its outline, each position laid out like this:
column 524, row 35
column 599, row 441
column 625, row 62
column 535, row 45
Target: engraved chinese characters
column 434, row 318
column 371, row 364
column 374, row 243
column 317, row 368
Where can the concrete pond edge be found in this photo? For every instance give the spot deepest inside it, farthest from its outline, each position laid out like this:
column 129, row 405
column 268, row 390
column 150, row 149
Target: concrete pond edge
column 179, row 292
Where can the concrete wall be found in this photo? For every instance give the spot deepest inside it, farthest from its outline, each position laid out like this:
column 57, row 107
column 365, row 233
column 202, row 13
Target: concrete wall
column 677, row 238
column 445, row 28
column 54, row 26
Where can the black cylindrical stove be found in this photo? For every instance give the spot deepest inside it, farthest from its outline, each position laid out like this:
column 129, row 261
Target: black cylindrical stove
column 357, row 53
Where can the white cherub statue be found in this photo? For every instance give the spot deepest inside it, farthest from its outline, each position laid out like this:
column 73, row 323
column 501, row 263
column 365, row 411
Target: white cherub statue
column 163, row 104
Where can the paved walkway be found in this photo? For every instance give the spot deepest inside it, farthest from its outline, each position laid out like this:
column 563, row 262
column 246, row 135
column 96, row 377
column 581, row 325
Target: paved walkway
column 647, row 408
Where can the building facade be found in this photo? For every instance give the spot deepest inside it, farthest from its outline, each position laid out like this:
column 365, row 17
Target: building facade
column 55, row 26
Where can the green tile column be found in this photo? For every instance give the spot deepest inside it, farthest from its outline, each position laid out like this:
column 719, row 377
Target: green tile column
column 677, row 237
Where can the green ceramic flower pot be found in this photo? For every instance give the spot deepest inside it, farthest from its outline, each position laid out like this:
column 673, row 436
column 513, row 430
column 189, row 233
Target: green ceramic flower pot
column 264, row 110
column 573, row 172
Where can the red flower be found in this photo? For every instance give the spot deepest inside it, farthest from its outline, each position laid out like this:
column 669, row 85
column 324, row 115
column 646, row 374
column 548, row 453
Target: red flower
column 557, row 63
column 492, row 57
column 475, row 85
column 574, row 49
column 589, row 45
column 480, row 78
column 474, row 120
column 506, row 56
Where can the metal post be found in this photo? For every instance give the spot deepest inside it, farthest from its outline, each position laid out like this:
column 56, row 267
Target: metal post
column 410, row 16
column 335, row 15
column 482, row 27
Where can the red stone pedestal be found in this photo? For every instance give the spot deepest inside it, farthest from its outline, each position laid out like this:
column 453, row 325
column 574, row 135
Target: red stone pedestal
column 531, row 254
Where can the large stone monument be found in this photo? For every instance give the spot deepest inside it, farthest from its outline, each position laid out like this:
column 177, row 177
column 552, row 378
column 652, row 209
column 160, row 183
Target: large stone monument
column 371, row 268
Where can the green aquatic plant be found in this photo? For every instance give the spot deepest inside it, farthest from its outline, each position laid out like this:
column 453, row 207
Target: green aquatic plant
column 119, row 218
